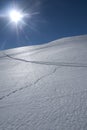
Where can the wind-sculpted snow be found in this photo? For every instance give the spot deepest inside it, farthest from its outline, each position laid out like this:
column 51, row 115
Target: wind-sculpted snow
column 44, row 87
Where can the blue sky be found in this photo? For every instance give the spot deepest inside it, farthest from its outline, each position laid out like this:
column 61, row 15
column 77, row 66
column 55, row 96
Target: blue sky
column 52, row 19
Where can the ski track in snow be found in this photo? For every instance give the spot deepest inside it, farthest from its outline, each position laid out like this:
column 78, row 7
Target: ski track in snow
column 20, row 89
column 65, row 64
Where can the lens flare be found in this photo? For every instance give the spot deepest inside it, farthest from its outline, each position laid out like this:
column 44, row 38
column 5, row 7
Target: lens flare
column 15, row 16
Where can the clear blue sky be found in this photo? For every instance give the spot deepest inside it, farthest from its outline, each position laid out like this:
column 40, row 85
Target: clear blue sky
column 53, row 19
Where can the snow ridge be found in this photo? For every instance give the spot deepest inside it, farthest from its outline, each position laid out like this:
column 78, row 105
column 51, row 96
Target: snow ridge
column 44, row 87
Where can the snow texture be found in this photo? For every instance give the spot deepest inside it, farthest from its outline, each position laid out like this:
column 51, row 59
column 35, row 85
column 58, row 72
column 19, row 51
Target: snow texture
column 44, row 87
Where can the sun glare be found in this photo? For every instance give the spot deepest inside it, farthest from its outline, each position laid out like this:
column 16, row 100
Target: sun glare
column 15, row 16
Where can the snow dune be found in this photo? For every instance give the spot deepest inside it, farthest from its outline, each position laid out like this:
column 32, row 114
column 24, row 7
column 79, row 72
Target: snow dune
column 44, row 87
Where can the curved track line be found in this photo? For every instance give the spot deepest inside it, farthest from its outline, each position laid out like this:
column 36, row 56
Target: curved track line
column 62, row 64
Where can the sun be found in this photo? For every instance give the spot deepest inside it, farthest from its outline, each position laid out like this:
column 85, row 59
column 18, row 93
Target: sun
column 15, row 16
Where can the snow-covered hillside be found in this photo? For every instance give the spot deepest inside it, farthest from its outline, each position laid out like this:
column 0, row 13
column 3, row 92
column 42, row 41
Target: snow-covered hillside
column 44, row 87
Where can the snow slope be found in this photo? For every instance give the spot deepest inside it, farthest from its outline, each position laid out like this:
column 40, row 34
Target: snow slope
column 44, row 87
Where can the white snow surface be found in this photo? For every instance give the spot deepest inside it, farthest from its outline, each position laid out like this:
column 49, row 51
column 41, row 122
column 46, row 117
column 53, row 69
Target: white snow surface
column 44, row 87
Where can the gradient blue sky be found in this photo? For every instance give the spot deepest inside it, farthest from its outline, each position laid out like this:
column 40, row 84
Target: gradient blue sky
column 54, row 19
